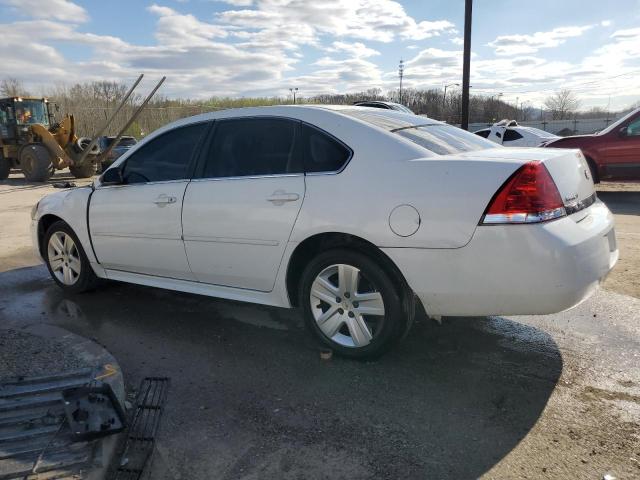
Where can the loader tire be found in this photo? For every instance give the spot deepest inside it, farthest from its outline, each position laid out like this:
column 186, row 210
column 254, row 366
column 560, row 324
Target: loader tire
column 35, row 163
column 5, row 167
column 86, row 170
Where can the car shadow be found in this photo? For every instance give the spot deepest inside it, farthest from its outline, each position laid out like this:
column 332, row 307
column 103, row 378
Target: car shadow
column 251, row 398
column 621, row 202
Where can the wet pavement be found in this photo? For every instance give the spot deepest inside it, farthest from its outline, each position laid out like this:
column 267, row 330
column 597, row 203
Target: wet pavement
column 530, row 397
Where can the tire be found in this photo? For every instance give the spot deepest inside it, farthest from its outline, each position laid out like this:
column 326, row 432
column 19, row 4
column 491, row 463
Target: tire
column 5, row 167
column 86, row 170
column 340, row 322
column 35, row 163
column 65, row 258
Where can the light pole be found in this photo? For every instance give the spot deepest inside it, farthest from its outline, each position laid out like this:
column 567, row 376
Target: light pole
column 400, row 74
column 293, row 92
column 444, row 95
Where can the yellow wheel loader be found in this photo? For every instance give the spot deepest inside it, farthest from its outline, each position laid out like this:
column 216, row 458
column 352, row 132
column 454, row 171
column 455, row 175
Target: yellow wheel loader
column 31, row 141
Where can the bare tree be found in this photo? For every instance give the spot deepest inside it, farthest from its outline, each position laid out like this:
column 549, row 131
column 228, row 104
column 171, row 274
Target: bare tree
column 12, row 87
column 562, row 104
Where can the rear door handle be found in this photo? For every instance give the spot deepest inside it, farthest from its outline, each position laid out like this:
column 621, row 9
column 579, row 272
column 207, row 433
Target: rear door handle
column 280, row 197
column 164, row 199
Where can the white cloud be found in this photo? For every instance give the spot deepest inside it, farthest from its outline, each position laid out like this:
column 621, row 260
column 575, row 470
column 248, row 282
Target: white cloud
column 357, row 49
column 64, row 10
column 519, row 44
column 374, row 20
column 183, row 30
column 457, row 40
column 606, row 23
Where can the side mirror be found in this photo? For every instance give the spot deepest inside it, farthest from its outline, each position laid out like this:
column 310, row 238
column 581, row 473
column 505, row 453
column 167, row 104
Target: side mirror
column 113, row 176
column 623, row 132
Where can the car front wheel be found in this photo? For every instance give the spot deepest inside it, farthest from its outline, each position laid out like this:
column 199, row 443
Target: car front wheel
column 66, row 260
column 351, row 304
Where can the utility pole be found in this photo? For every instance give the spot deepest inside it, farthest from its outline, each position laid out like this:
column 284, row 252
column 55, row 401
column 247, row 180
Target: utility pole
column 293, row 92
column 466, row 64
column 400, row 74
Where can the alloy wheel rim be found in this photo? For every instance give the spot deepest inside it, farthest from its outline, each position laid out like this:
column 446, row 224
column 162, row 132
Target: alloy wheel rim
column 347, row 306
column 64, row 258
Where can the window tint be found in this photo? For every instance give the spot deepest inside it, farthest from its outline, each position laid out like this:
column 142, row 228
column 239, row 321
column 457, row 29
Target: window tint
column 253, row 146
column 483, row 133
column 322, row 153
column 164, row 158
column 510, row 135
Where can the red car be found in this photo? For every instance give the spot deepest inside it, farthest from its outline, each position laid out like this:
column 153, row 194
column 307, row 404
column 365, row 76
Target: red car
column 613, row 153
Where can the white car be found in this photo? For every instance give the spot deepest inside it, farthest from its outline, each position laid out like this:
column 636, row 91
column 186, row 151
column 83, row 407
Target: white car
column 510, row 134
column 349, row 213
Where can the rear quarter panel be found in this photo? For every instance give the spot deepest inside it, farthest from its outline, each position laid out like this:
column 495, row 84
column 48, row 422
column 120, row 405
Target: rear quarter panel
column 387, row 171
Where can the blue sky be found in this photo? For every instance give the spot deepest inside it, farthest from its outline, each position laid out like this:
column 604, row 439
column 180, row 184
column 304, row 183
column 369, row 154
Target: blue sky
column 524, row 50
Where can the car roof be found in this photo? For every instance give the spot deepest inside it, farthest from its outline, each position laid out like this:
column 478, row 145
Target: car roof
column 352, row 112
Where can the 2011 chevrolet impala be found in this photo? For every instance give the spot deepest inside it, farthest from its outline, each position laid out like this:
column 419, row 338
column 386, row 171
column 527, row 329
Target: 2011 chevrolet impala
column 349, row 213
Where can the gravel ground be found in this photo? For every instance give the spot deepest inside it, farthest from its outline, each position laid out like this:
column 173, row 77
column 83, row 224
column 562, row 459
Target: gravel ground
column 25, row 354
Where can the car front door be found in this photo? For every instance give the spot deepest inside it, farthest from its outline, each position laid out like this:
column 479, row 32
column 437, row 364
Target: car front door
column 238, row 215
column 621, row 154
column 136, row 226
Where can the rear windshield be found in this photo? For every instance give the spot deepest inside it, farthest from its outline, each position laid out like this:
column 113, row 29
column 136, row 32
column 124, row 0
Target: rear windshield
column 436, row 137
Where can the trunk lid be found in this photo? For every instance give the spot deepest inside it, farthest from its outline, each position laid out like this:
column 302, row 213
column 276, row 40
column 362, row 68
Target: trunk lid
column 568, row 168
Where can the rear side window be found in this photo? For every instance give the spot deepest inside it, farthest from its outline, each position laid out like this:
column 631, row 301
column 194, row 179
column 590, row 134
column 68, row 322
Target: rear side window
column 511, row 135
column 253, row 147
column 322, row 152
column 164, row 158
column 483, row 133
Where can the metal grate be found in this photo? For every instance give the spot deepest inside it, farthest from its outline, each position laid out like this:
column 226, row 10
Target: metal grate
column 144, row 425
column 34, row 437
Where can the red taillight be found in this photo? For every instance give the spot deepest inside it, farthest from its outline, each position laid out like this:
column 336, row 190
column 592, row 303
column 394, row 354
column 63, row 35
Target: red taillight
column 529, row 196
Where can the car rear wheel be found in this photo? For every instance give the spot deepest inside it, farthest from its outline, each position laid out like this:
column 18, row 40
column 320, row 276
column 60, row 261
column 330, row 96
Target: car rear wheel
column 351, row 305
column 66, row 260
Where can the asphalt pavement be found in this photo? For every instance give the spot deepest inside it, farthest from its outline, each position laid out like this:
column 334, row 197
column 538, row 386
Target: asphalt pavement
column 553, row 396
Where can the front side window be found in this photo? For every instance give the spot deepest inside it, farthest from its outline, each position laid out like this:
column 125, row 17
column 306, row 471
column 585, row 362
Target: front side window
column 247, row 147
column 483, row 133
column 31, row 111
column 164, row 158
column 634, row 128
column 322, row 153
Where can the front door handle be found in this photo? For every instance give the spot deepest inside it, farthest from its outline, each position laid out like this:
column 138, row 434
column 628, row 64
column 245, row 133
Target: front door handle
column 280, row 197
column 164, row 199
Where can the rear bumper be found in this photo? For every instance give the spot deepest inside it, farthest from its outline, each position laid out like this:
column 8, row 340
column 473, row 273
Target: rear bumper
column 515, row 269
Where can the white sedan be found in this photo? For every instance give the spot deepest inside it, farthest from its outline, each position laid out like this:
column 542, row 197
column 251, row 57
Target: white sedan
column 510, row 134
column 352, row 214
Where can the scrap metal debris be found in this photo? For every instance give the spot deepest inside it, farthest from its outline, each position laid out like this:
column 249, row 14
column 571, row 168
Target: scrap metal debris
column 143, row 429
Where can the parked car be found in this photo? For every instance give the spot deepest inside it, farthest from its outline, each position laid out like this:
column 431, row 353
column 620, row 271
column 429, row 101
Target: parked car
column 384, row 105
column 349, row 213
column 123, row 146
column 510, row 134
column 613, row 153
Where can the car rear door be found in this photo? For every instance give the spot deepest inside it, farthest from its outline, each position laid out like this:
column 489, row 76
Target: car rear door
column 238, row 214
column 136, row 226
